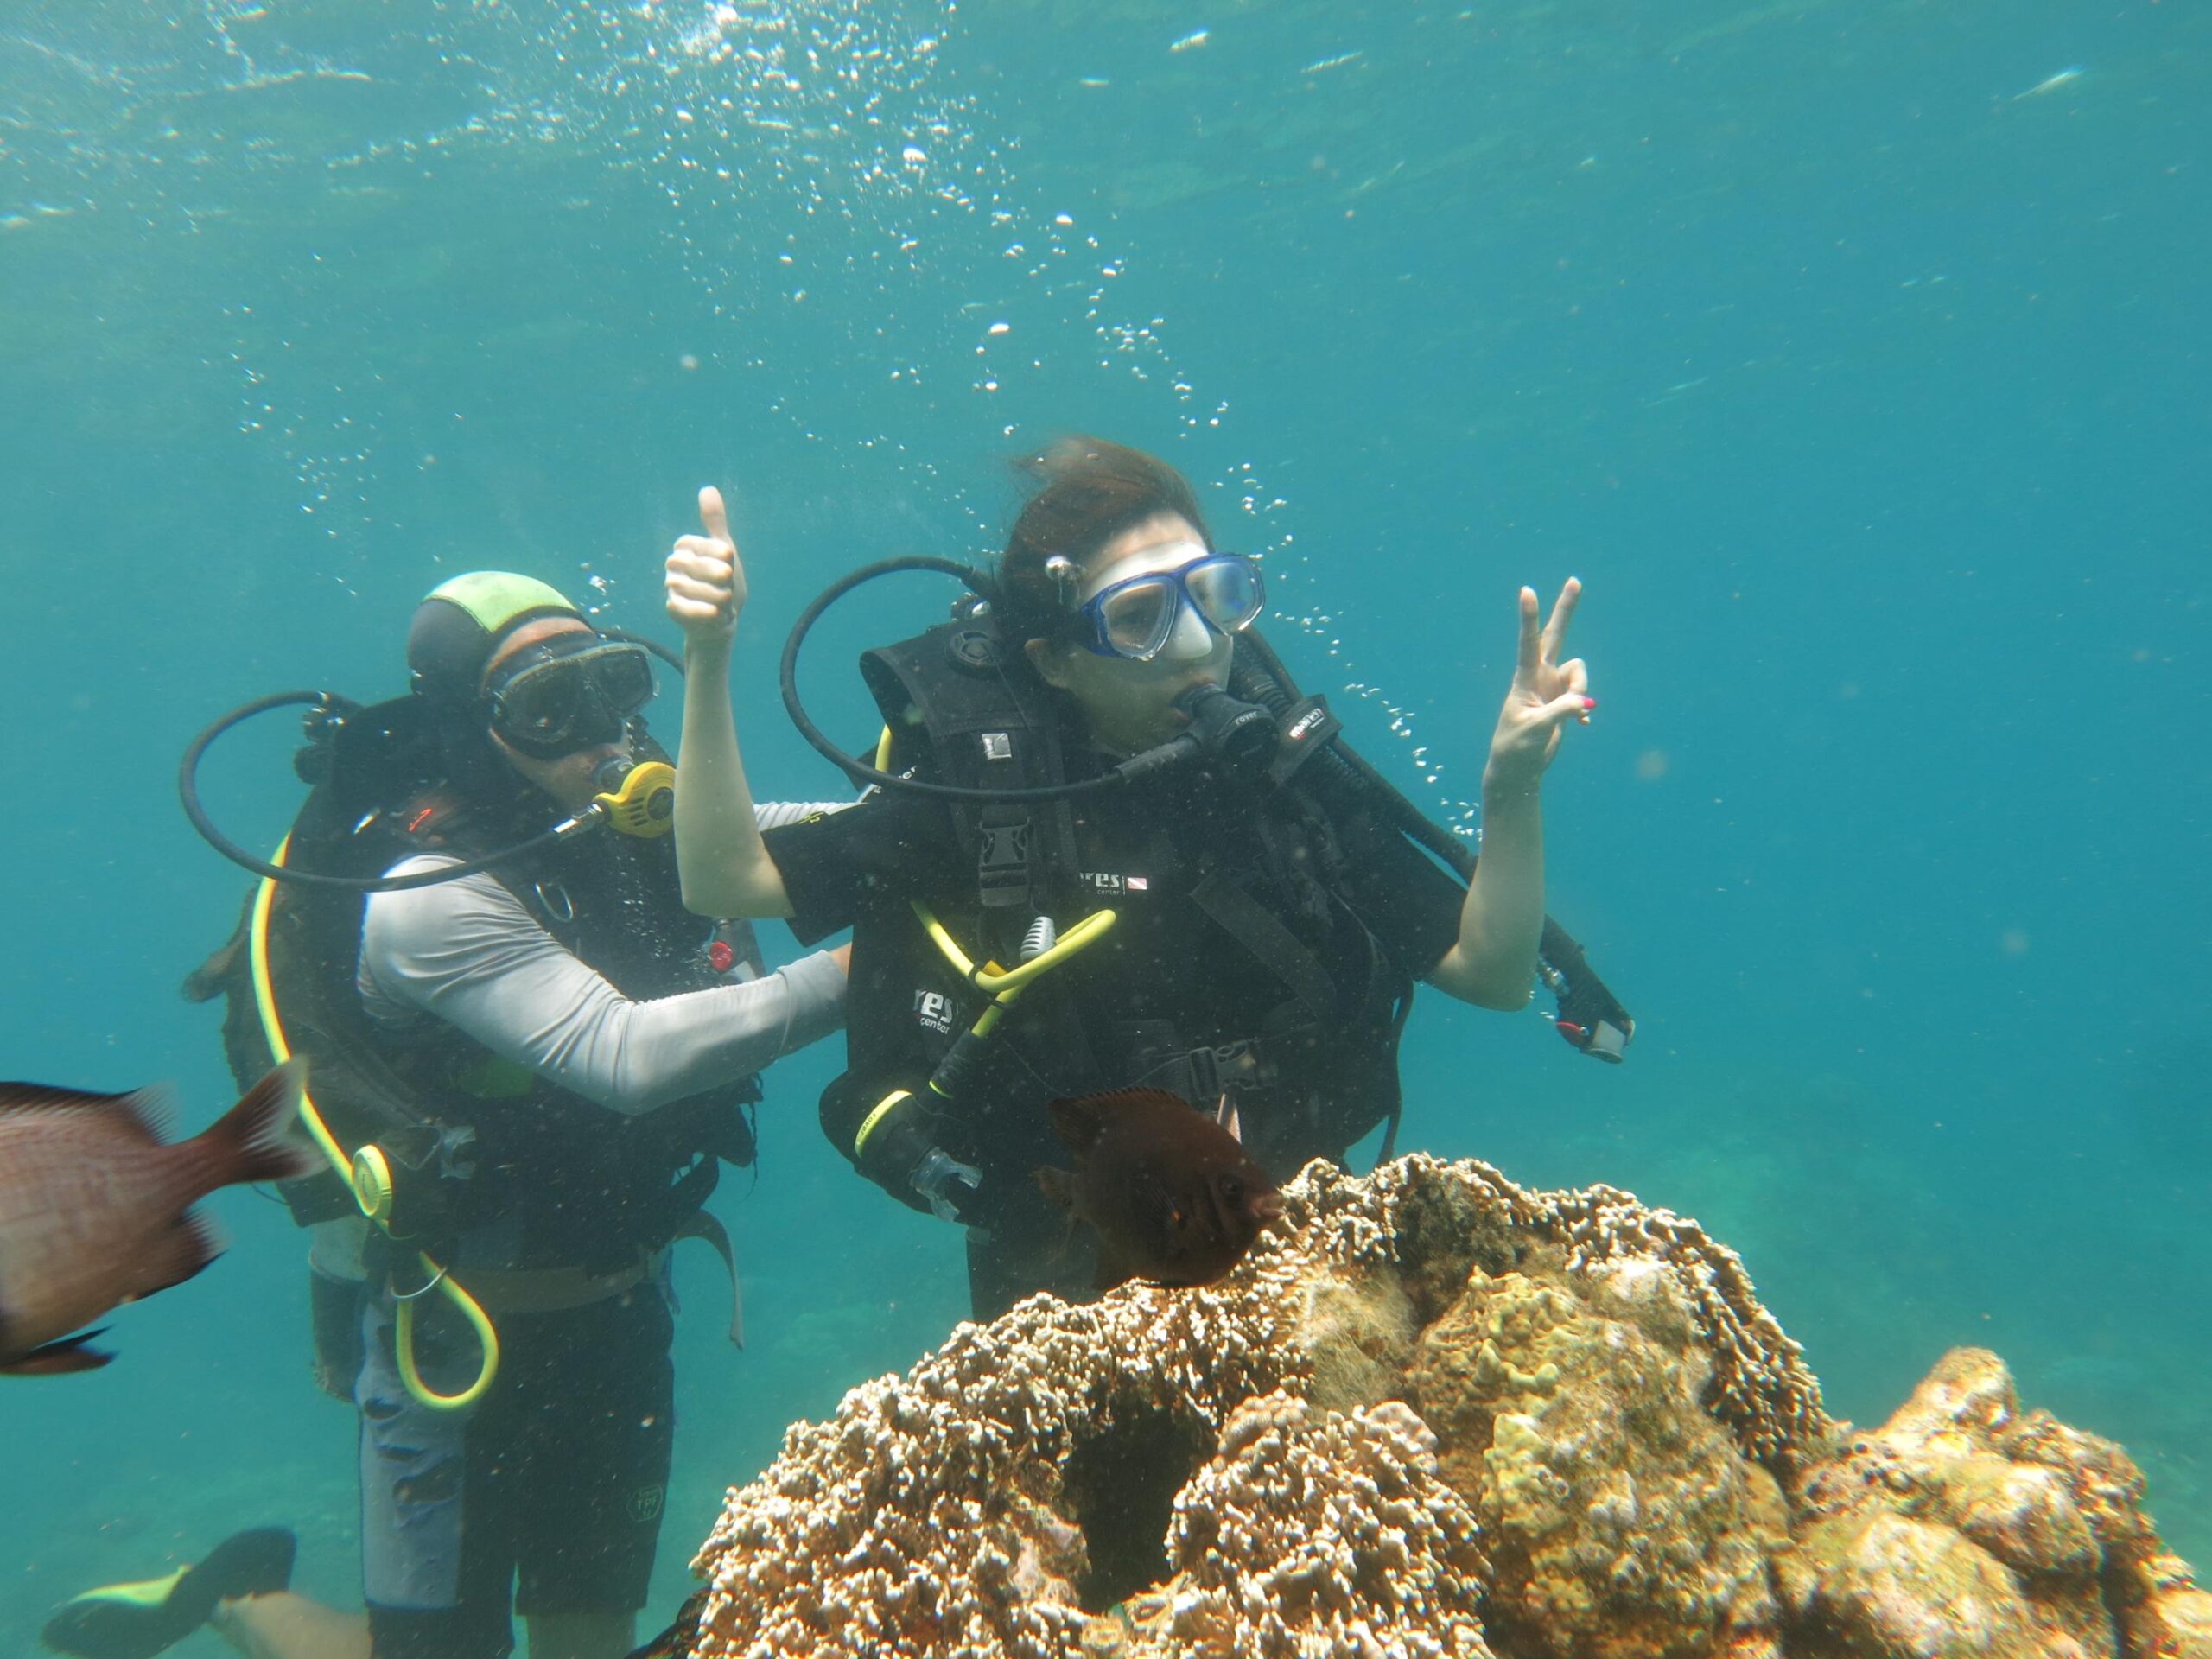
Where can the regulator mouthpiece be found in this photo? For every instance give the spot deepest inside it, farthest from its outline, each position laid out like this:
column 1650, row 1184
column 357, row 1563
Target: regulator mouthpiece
column 1239, row 734
column 636, row 797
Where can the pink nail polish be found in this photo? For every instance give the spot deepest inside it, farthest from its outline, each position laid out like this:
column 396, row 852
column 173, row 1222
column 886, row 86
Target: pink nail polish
column 1589, row 703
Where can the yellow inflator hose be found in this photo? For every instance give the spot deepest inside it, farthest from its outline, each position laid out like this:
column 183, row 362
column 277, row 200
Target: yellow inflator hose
column 1001, row 985
column 272, row 1028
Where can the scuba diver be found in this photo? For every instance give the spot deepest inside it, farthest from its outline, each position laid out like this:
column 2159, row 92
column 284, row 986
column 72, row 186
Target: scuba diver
column 529, row 1060
column 1103, row 816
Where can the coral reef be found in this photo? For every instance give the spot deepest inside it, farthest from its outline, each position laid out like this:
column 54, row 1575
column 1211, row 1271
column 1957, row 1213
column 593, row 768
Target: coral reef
column 1443, row 1417
column 1321, row 1532
column 1965, row 1526
column 1621, row 1519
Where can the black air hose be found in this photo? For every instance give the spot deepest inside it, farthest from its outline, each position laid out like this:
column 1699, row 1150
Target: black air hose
column 1341, row 777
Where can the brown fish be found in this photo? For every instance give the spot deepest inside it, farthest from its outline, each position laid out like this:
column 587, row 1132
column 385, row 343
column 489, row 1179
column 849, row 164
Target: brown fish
column 94, row 1208
column 1170, row 1191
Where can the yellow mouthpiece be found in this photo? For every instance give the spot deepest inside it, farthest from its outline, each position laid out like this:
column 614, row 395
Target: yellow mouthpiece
column 645, row 804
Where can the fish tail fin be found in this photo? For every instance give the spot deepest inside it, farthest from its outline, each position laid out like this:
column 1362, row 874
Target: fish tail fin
column 255, row 1140
column 1058, row 1186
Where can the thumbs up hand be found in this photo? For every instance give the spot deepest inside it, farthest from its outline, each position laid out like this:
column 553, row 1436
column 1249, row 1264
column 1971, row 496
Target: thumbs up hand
column 706, row 579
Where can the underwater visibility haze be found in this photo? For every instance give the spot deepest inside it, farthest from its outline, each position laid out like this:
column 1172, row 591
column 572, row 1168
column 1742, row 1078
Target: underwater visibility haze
column 1853, row 356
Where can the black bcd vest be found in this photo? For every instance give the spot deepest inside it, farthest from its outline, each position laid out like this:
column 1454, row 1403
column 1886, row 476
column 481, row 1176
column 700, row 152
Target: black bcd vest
column 1317, row 1074
column 530, row 1174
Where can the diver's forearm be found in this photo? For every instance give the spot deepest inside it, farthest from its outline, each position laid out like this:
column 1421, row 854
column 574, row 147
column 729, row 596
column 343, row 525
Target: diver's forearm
column 632, row 1057
column 721, row 860
column 1502, row 920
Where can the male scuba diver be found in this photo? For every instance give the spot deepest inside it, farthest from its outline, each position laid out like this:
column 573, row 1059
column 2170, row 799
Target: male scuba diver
column 533, row 1073
column 1111, row 848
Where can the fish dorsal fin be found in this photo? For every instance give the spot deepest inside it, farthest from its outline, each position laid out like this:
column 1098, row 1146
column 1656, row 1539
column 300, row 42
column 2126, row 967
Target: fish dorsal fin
column 141, row 1116
column 1082, row 1119
column 1115, row 1099
column 1224, row 1113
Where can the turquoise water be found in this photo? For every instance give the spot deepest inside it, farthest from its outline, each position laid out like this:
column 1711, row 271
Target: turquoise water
column 1853, row 356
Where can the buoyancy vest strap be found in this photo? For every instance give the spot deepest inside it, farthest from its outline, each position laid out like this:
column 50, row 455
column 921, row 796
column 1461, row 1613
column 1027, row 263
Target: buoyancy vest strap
column 1389, row 1148
column 1246, row 920
column 704, row 1224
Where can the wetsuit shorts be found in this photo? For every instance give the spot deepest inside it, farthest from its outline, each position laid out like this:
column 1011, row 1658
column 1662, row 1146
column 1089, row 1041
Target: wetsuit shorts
column 543, row 1497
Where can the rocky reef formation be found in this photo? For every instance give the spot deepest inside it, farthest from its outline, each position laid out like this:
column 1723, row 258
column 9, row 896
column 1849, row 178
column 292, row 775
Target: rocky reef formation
column 1437, row 1415
column 1964, row 1525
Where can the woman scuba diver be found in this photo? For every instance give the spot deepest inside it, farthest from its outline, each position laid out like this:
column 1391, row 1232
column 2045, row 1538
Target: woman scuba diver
column 1081, row 781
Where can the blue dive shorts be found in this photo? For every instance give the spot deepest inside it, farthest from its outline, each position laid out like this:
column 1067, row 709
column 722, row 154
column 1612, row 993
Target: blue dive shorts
column 544, row 1496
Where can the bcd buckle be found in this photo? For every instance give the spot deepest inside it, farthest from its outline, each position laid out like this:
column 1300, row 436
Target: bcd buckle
column 1002, row 857
column 1220, row 1070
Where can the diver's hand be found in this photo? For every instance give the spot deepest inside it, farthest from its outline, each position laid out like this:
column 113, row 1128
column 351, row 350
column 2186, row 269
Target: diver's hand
column 706, row 579
column 938, row 1177
column 1545, row 694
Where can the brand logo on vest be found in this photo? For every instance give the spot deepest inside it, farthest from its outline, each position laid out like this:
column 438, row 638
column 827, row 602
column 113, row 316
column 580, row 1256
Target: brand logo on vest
column 934, row 1010
column 645, row 1502
column 1106, row 882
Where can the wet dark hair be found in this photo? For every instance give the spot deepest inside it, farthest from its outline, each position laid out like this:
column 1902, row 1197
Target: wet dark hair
column 1090, row 491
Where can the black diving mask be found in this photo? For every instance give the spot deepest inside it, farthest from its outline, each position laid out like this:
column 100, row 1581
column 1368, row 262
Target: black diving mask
column 573, row 692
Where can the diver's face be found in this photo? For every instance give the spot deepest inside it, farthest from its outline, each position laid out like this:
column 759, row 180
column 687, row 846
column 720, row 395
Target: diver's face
column 569, row 778
column 1130, row 706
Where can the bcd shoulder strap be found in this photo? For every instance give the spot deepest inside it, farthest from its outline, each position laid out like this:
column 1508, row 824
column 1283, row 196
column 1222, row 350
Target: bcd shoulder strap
column 1256, row 928
column 954, row 683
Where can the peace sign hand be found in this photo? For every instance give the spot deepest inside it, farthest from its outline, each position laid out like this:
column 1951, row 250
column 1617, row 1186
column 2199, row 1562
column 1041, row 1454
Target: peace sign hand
column 706, row 580
column 1545, row 694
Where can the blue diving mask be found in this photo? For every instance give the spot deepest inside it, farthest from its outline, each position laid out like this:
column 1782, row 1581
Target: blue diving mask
column 1135, row 618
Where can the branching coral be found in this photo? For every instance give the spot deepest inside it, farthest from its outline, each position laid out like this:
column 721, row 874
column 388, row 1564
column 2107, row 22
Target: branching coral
column 1324, row 1533
column 1438, row 1415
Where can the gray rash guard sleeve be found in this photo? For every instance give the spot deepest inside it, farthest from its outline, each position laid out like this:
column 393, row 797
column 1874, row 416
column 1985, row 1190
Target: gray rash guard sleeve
column 468, row 953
